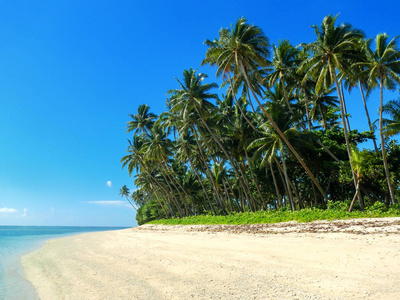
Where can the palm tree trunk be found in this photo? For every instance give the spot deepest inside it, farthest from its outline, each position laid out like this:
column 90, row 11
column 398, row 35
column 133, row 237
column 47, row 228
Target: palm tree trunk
column 345, row 106
column 285, row 95
column 283, row 136
column 346, row 136
column 291, row 186
column 206, row 165
column 234, row 196
column 325, row 124
column 384, row 158
column 253, row 177
column 355, row 196
column 175, row 201
column 199, row 179
column 367, row 114
column 130, row 202
column 284, row 183
column 237, row 103
column 278, row 194
column 222, row 148
column 170, row 196
column 160, row 203
column 173, row 178
column 307, row 112
column 229, row 199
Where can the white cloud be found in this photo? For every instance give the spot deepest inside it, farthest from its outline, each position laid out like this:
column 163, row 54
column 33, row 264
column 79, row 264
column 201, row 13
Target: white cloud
column 25, row 212
column 109, row 183
column 8, row 210
column 110, row 203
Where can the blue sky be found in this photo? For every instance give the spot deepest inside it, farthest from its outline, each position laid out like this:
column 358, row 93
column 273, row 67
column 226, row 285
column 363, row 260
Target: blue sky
column 72, row 71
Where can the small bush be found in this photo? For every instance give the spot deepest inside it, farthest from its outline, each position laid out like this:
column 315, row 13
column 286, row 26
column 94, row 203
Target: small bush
column 378, row 207
column 337, row 206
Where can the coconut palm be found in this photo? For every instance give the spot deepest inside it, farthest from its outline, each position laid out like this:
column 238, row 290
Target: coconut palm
column 270, row 146
column 245, row 49
column 331, row 52
column 383, row 65
column 141, row 122
column 193, row 97
column 322, row 102
column 360, row 160
column 124, row 192
column 285, row 62
column 355, row 76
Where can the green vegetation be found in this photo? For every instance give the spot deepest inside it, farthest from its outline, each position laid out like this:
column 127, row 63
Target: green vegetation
column 277, row 144
column 268, row 217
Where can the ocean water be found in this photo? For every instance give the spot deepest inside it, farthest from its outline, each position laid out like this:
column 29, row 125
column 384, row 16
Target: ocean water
column 16, row 241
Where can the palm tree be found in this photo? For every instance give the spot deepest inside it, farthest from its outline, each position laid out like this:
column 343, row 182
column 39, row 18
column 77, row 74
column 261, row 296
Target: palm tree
column 245, row 49
column 392, row 125
column 135, row 159
column 158, row 149
column 124, row 192
column 285, row 62
column 383, row 65
column 322, row 102
column 355, row 76
column 270, row 146
column 360, row 160
column 142, row 122
column 193, row 97
column 331, row 53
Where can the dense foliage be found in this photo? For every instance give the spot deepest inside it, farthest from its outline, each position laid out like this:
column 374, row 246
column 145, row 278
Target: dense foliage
column 334, row 212
column 280, row 136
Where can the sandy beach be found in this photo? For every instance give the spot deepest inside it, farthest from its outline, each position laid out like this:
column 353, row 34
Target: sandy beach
column 357, row 259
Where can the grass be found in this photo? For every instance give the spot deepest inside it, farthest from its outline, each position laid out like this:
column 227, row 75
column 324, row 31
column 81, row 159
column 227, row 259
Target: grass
column 267, row 217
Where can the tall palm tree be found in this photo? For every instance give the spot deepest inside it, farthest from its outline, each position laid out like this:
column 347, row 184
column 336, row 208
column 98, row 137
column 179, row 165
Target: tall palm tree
column 355, row 76
column 285, row 62
column 245, row 49
column 269, row 145
column 193, row 96
column 331, row 52
column 141, row 122
column 383, row 65
column 135, row 160
column 158, row 148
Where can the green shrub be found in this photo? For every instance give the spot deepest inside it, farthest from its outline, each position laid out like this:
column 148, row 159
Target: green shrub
column 336, row 211
column 378, row 207
column 337, row 206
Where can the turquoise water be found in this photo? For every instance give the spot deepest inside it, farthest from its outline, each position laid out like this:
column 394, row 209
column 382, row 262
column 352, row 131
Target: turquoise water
column 15, row 241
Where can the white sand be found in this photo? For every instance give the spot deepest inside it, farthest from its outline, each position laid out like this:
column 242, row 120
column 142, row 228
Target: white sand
column 161, row 262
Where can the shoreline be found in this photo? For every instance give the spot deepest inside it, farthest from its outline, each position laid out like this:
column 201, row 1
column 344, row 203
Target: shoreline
column 278, row 261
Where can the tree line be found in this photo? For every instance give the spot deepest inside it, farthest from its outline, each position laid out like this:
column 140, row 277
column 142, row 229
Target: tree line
column 280, row 137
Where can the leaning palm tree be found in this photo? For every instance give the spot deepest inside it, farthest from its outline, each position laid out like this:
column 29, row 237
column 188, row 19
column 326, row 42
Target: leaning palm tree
column 193, row 97
column 383, row 65
column 245, row 49
column 124, row 192
column 269, row 145
column 331, row 52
